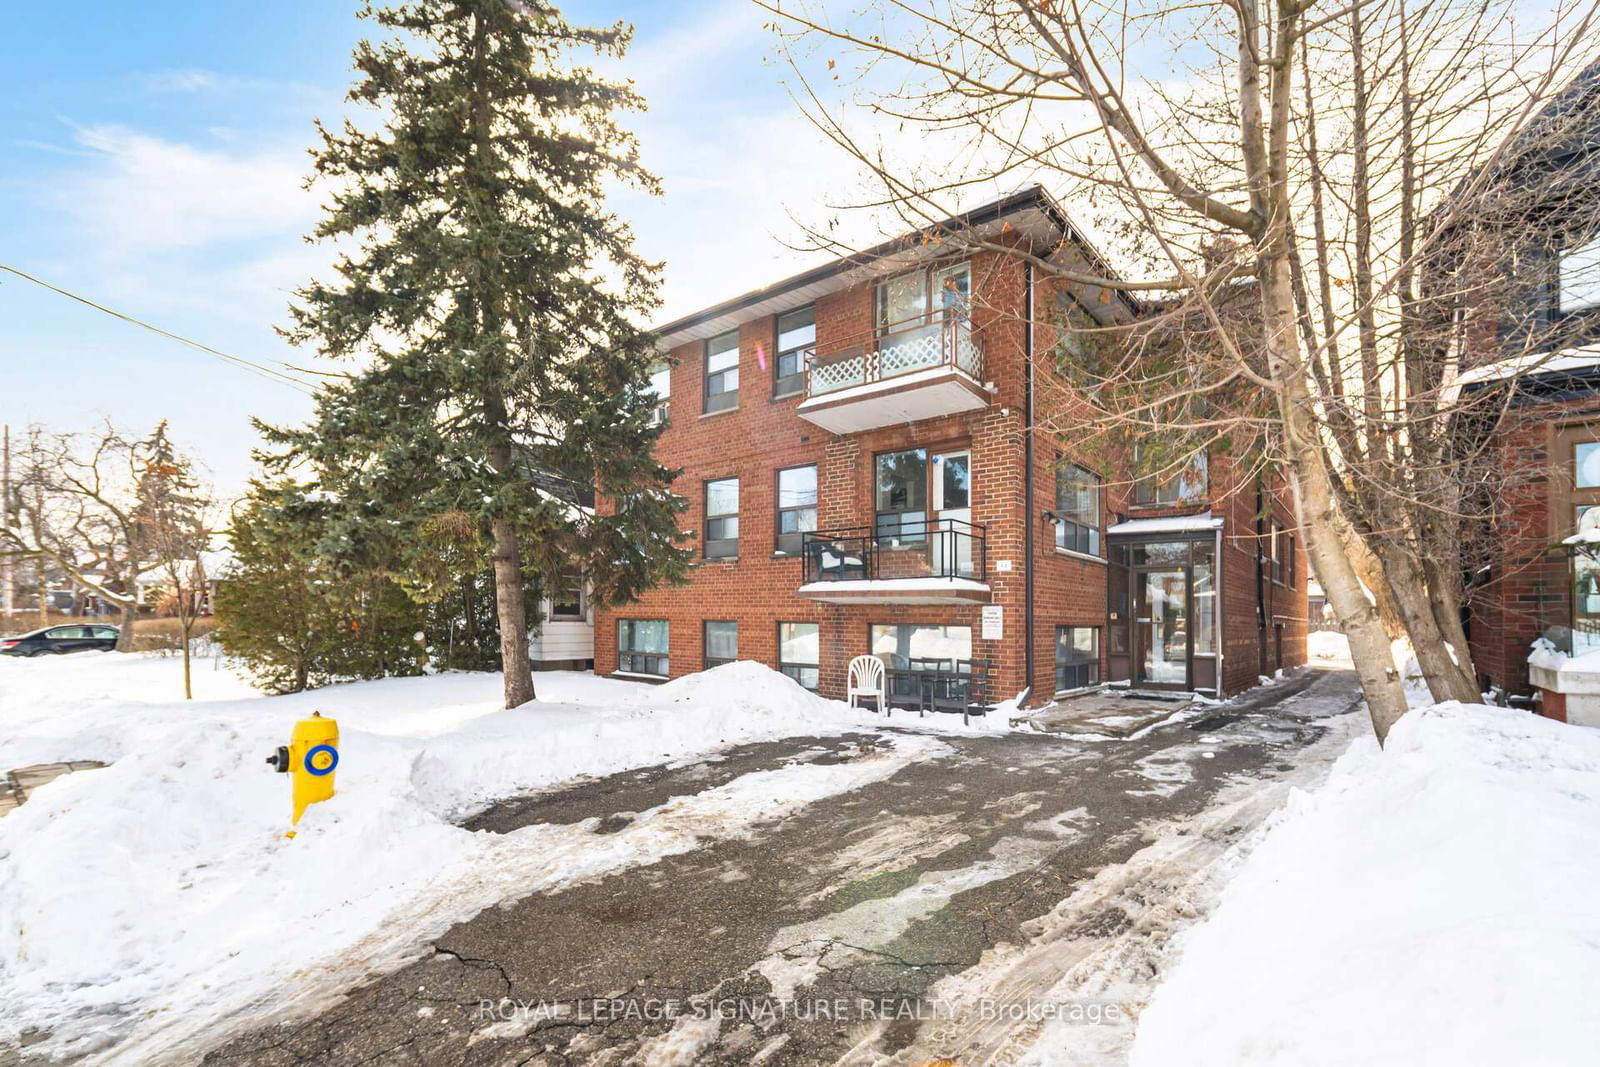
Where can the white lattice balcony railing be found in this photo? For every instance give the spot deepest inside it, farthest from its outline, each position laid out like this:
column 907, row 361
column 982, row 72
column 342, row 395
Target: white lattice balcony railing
column 923, row 347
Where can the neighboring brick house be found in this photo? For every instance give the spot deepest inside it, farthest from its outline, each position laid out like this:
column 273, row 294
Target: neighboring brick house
column 1527, row 264
column 1529, row 583
column 856, row 445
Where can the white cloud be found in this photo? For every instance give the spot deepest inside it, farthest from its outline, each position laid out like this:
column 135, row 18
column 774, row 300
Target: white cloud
column 144, row 192
column 180, row 81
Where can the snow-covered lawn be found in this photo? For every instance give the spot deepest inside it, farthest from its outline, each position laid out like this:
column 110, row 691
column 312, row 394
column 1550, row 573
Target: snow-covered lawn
column 1433, row 903
column 143, row 903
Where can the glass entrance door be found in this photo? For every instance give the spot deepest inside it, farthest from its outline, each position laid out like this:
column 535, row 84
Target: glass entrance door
column 1161, row 627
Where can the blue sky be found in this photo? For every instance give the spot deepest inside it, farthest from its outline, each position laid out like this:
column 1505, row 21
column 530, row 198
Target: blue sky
column 151, row 157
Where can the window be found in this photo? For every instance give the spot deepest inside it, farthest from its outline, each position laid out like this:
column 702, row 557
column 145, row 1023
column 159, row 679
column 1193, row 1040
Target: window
column 906, row 646
column 902, row 301
column 1578, row 286
column 1077, row 509
column 901, row 510
column 1186, row 486
column 104, row 631
column 642, row 646
column 1274, row 563
column 1586, row 465
column 566, row 598
column 800, row 652
column 1077, row 657
column 1288, row 559
column 661, row 386
column 722, row 643
column 722, row 372
column 911, row 299
column 1072, row 344
column 797, row 507
column 797, row 339
column 722, row 518
column 1203, row 609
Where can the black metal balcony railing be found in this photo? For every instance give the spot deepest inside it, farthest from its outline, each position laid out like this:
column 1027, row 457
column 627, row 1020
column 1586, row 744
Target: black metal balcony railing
column 910, row 547
column 904, row 349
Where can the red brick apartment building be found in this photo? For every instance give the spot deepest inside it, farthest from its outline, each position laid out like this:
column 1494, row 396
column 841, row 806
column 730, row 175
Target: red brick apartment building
column 859, row 448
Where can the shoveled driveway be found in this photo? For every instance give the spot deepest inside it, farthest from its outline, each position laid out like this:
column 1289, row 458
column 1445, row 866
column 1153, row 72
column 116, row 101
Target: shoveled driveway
column 814, row 940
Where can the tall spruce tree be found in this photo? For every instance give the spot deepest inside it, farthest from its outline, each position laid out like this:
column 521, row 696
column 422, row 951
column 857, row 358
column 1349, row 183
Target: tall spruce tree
column 494, row 302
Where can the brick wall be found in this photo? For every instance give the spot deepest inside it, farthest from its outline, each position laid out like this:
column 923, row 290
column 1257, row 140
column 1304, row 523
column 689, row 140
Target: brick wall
column 762, row 435
column 1525, row 588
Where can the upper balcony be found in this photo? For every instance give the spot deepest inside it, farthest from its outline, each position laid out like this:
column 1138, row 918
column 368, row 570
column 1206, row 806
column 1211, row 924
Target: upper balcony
column 916, row 371
column 904, row 560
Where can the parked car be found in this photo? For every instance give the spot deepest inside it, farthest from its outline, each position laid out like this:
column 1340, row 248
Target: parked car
column 58, row 640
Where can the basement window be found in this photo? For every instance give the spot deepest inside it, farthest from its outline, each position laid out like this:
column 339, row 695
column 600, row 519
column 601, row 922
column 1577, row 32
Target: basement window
column 642, row 646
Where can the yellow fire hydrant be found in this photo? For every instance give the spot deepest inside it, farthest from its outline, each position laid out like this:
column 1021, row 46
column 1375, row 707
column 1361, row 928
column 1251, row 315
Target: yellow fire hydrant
column 311, row 755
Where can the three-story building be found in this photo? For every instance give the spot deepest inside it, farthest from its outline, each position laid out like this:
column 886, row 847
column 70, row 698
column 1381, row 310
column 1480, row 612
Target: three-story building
column 862, row 452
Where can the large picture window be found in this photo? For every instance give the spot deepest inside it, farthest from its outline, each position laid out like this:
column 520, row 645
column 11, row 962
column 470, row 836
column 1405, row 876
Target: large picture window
column 1077, row 657
column 910, row 646
column 919, row 297
column 721, row 643
column 722, row 518
column 901, row 495
column 722, row 372
column 797, row 339
column 800, row 652
column 797, row 507
column 642, row 646
column 1077, row 509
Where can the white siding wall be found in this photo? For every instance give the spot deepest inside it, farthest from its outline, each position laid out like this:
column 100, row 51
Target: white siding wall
column 562, row 639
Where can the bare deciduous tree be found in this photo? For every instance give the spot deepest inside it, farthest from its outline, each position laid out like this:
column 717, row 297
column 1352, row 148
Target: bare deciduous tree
column 1296, row 194
column 173, row 531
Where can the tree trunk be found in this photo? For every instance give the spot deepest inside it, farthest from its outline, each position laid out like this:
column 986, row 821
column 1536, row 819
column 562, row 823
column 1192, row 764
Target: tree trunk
column 1370, row 571
column 1446, row 604
column 1369, row 645
column 44, row 594
column 188, row 689
column 1446, row 679
column 130, row 612
column 513, row 614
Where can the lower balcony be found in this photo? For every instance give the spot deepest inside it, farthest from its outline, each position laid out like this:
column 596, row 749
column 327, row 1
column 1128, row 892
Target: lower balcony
column 926, row 561
column 928, row 370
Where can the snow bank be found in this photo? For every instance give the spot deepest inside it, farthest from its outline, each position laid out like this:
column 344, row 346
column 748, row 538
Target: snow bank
column 143, row 904
column 1432, row 903
column 1328, row 646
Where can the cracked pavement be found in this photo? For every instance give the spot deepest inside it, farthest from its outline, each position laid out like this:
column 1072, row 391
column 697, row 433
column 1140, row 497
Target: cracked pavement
column 869, row 896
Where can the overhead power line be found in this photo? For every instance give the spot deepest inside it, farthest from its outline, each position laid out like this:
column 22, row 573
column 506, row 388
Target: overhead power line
column 270, row 373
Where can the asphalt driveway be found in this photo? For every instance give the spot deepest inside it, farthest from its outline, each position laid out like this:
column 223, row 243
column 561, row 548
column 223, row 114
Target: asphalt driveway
column 816, row 940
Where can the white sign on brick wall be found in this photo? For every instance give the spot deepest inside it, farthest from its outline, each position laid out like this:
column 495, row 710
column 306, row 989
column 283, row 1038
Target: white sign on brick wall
column 994, row 622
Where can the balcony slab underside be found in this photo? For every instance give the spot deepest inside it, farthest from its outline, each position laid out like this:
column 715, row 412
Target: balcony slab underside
column 923, row 394
column 898, row 591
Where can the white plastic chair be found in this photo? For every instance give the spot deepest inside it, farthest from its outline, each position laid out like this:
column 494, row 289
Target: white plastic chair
column 865, row 679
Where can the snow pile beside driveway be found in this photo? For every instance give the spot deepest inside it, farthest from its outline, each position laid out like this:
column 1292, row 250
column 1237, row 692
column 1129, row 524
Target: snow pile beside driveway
column 1432, row 903
column 146, row 905
column 1328, row 646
